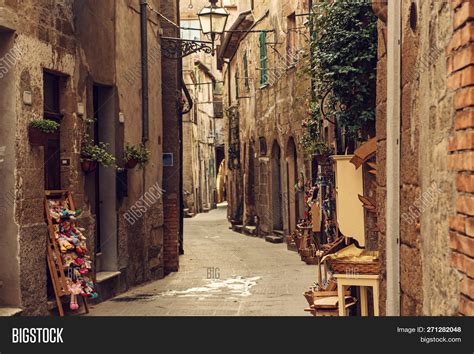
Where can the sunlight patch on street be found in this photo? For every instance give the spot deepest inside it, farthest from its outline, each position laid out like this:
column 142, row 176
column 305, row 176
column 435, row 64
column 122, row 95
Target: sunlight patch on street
column 235, row 286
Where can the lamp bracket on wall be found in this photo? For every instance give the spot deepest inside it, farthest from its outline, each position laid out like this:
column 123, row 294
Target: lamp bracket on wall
column 176, row 48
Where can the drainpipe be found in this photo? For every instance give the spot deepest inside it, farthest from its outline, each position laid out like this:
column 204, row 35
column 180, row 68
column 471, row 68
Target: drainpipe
column 393, row 158
column 144, row 63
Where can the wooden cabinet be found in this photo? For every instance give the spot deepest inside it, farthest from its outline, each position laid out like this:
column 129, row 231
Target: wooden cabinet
column 349, row 209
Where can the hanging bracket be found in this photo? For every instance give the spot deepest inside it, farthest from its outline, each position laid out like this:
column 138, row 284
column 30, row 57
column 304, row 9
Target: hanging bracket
column 176, row 48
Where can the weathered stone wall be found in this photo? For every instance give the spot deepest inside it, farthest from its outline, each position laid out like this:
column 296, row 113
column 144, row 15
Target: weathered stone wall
column 273, row 112
column 45, row 37
column 199, row 146
column 199, row 152
column 63, row 37
column 429, row 284
column 142, row 256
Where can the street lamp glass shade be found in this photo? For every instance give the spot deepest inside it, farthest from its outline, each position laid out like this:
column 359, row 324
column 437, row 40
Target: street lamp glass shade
column 213, row 20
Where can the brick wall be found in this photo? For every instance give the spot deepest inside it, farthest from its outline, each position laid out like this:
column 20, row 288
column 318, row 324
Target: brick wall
column 171, row 71
column 170, row 238
column 461, row 149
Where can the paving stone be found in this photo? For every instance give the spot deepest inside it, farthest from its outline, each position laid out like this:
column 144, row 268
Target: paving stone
column 215, row 256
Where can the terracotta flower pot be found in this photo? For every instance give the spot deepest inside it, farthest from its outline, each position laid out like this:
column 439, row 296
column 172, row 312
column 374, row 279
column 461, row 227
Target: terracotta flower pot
column 298, row 243
column 132, row 163
column 37, row 137
column 88, row 165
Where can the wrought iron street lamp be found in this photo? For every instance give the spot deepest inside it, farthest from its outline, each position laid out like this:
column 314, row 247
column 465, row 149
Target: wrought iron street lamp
column 213, row 21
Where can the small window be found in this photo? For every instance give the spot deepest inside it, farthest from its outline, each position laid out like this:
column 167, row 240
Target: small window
column 51, row 96
column 291, row 40
column 191, row 30
column 263, row 146
column 263, row 59
column 52, row 149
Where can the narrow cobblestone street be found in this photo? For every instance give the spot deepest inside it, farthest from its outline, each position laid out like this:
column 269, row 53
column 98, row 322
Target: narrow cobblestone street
column 252, row 278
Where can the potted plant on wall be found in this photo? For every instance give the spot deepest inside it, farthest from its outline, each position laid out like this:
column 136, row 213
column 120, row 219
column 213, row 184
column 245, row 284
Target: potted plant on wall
column 40, row 129
column 136, row 155
column 94, row 154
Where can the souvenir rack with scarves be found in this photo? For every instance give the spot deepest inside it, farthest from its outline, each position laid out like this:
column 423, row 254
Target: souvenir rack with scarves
column 68, row 262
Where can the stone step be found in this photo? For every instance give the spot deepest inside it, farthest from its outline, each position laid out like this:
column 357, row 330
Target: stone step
column 279, row 233
column 274, row 239
column 10, row 311
column 250, row 230
column 238, row 228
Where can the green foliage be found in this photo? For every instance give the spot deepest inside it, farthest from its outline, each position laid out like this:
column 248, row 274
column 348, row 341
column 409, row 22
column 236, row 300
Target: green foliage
column 98, row 153
column 137, row 152
column 95, row 152
column 45, row 125
column 344, row 61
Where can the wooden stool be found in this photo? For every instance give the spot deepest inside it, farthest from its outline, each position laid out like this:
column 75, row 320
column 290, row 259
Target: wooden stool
column 362, row 281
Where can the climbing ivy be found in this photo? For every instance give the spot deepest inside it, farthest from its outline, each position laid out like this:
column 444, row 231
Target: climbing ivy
column 343, row 65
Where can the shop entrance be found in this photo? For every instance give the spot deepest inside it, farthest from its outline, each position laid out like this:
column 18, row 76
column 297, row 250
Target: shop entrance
column 251, row 177
column 105, row 200
column 292, row 179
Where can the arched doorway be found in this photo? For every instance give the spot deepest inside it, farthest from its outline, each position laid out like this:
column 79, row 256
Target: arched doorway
column 277, row 202
column 292, row 179
column 251, row 176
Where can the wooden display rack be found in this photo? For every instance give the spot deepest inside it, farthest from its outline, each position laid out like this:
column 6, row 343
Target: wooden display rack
column 54, row 259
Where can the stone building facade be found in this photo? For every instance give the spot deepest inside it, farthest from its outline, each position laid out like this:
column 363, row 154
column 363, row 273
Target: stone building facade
column 436, row 244
column 203, row 145
column 79, row 59
column 264, row 102
column 171, row 83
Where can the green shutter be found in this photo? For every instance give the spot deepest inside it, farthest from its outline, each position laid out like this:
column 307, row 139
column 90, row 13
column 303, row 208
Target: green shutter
column 246, row 71
column 263, row 59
